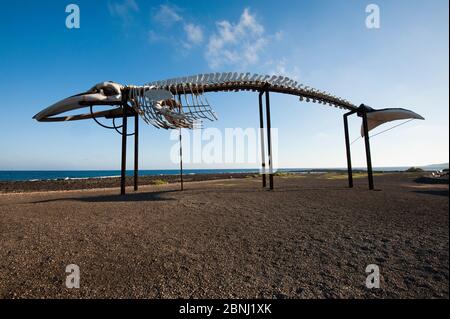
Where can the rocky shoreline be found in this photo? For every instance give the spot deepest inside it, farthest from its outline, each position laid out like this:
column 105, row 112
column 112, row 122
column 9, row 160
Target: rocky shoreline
column 106, row 182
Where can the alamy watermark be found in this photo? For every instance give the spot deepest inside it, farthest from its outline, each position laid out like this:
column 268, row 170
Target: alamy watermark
column 373, row 279
column 73, row 19
column 240, row 146
column 73, row 279
column 373, row 17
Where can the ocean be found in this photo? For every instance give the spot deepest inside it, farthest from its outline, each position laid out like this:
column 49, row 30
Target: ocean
column 82, row 174
column 73, row 174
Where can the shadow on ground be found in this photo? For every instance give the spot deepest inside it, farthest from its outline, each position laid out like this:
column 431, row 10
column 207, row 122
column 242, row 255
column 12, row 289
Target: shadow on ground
column 438, row 192
column 131, row 197
column 431, row 180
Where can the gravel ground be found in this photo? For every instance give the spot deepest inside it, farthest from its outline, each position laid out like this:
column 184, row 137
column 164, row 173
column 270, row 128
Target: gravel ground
column 309, row 238
column 108, row 182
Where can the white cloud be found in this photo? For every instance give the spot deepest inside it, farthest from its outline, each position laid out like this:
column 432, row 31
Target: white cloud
column 280, row 67
column 167, row 15
column 154, row 36
column 123, row 10
column 194, row 33
column 237, row 44
column 170, row 19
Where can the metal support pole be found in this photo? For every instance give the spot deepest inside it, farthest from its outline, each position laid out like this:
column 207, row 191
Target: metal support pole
column 124, row 145
column 347, row 147
column 269, row 139
column 181, row 162
column 181, row 150
column 368, row 156
column 261, row 134
column 136, row 151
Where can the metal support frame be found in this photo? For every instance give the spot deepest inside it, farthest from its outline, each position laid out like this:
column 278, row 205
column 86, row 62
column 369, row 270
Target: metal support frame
column 368, row 156
column 347, row 148
column 361, row 112
column 123, row 111
column 181, row 151
column 136, row 151
column 124, row 143
column 269, row 139
column 181, row 163
column 261, row 134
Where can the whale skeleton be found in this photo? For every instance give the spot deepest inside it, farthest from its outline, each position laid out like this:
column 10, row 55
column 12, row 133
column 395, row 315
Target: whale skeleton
column 182, row 103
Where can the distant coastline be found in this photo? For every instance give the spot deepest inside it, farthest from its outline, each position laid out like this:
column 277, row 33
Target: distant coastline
column 43, row 175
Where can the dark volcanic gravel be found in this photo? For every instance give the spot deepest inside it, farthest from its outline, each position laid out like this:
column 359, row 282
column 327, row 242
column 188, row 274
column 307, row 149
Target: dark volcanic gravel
column 108, row 182
column 309, row 238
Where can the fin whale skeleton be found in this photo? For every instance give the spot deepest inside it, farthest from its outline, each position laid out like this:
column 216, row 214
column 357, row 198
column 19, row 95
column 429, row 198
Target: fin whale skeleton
column 146, row 97
column 181, row 103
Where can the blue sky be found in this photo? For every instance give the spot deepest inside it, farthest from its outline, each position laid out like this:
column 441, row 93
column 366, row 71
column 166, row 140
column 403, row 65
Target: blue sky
column 324, row 44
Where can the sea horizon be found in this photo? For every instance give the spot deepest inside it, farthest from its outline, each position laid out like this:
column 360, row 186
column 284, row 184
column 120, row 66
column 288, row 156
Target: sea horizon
column 37, row 175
